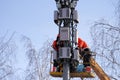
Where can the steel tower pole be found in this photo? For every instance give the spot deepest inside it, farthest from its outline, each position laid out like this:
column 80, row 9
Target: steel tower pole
column 66, row 70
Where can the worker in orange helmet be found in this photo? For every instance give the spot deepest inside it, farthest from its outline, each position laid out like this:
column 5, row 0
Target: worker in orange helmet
column 84, row 52
column 55, row 47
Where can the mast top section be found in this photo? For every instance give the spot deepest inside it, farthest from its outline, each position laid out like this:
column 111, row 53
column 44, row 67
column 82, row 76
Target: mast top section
column 66, row 3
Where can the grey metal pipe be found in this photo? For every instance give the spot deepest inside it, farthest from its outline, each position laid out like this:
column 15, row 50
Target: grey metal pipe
column 66, row 70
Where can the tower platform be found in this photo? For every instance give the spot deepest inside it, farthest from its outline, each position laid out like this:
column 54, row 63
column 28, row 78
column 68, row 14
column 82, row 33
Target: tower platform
column 74, row 74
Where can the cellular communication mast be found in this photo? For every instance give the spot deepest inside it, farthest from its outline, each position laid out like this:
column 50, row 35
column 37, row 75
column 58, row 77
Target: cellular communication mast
column 66, row 18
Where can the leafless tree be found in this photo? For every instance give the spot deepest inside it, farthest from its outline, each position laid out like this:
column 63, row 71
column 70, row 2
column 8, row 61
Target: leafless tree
column 39, row 61
column 7, row 48
column 106, row 43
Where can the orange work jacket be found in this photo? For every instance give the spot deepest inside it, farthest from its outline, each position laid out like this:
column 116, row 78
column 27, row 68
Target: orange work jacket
column 82, row 44
column 54, row 45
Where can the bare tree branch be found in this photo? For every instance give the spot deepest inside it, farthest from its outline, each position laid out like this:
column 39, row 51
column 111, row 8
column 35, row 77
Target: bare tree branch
column 106, row 42
column 38, row 65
